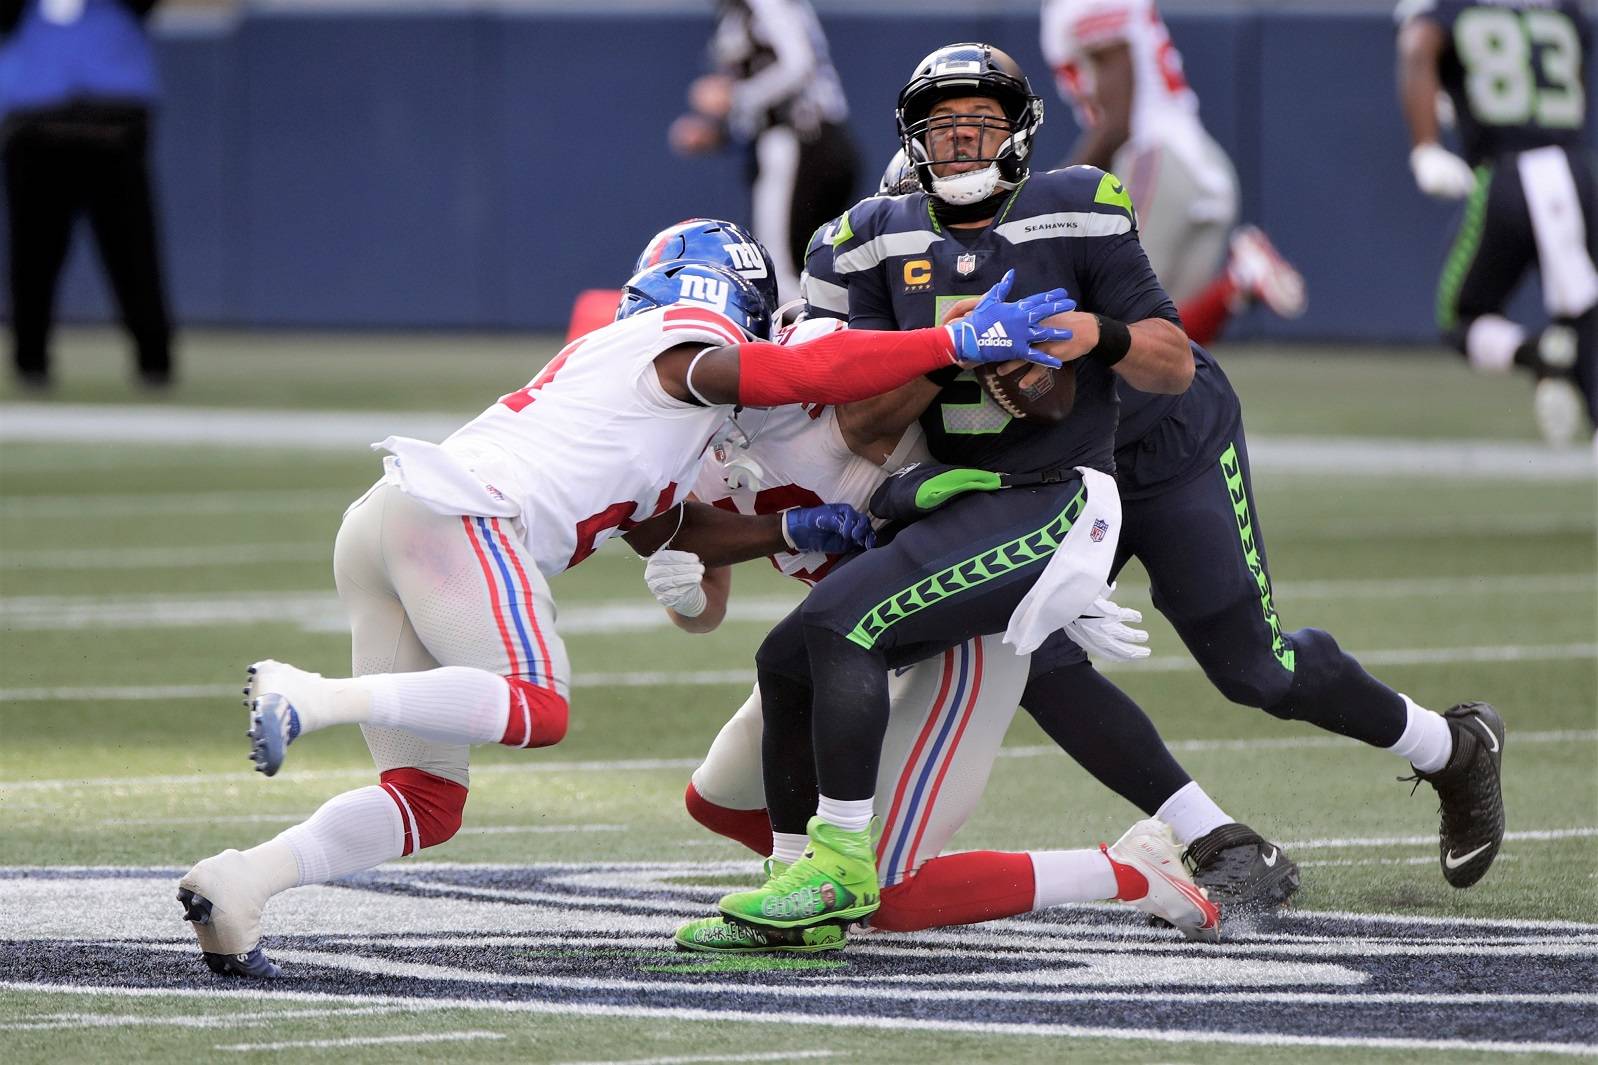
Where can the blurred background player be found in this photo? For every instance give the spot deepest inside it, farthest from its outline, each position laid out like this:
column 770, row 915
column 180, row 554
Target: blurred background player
column 77, row 92
column 1515, row 76
column 774, row 89
column 1113, row 60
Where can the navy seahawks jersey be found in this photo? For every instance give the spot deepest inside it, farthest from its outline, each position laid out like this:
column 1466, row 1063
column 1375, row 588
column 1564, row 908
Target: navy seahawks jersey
column 822, row 289
column 1514, row 69
column 1073, row 229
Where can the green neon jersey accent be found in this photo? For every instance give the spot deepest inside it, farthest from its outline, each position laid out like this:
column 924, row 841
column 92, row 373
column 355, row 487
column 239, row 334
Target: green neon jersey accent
column 1463, row 253
column 845, row 231
column 936, row 491
column 1232, row 469
column 1112, row 193
column 963, row 576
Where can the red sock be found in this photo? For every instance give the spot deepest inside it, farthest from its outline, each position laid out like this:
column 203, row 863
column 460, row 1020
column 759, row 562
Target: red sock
column 752, row 828
column 1130, row 885
column 1205, row 315
column 958, row 889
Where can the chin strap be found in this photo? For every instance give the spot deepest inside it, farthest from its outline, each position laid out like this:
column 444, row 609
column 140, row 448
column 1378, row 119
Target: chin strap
column 981, row 211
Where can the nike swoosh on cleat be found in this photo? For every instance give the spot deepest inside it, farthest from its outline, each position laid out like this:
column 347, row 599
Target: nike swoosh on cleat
column 1454, row 863
column 1270, row 859
column 1491, row 738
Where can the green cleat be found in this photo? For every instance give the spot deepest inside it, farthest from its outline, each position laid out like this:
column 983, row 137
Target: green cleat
column 835, row 881
column 717, row 935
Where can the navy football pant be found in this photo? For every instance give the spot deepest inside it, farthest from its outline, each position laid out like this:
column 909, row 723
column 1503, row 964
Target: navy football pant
column 1494, row 247
column 957, row 573
column 1206, row 561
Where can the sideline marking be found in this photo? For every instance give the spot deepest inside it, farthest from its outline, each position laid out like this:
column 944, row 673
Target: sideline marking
column 845, row 1022
column 780, row 1055
column 259, row 1018
column 163, row 557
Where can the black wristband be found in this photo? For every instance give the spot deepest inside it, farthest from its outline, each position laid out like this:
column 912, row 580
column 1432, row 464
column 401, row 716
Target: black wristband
column 1115, row 340
column 943, row 376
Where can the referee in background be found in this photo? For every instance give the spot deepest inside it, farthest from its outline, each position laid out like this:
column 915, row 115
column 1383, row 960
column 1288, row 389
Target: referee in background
column 774, row 88
column 77, row 88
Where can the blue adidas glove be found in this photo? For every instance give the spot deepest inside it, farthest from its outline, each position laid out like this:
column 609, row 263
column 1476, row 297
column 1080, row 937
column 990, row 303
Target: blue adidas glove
column 832, row 528
column 996, row 331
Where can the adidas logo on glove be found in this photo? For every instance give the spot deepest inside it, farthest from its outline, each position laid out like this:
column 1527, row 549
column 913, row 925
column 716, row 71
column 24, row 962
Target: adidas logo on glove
column 995, row 337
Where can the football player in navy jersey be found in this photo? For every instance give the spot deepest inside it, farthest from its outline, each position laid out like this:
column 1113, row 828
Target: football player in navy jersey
column 1514, row 71
column 1182, row 466
column 964, row 569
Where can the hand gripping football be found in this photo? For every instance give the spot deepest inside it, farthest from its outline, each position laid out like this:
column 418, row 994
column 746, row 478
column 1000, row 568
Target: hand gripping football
column 1027, row 390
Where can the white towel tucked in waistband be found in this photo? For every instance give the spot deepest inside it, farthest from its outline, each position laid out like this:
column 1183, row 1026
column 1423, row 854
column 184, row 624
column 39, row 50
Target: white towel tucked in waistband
column 1076, row 573
column 1570, row 280
column 439, row 480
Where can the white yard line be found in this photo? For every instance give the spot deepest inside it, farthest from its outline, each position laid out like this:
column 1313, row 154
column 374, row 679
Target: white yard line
column 845, row 1021
column 1415, row 841
column 131, row 558
column 353, row 430
column 693, row 1059
column 143, row 504
column 637, row 765
column 363, row 1041
column 322, row 611
column 248, row 1019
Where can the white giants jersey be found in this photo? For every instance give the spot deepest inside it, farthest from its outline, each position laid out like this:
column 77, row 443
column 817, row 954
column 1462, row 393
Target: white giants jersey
column 1161, row 98
column 591, row 447
column 766, row 461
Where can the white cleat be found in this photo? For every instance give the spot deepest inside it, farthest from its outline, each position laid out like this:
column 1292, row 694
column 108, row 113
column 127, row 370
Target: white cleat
column 1149, row 848
column 281, row 699
column 1560, row 410
column 1260, row 271
column 222, row 901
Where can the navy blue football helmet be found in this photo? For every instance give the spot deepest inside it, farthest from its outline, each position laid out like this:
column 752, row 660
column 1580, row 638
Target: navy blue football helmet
column 695, row 284
column 962, row 70
column 710, row 240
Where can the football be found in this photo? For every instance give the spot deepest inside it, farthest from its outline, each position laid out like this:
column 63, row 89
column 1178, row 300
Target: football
column 1027, row 390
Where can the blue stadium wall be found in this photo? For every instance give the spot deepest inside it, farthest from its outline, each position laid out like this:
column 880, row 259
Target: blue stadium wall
column 474, row 169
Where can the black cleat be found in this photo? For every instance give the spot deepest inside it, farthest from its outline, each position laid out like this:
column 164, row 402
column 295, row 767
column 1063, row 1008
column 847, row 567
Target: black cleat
column 1469, row 795
column 1241, row 870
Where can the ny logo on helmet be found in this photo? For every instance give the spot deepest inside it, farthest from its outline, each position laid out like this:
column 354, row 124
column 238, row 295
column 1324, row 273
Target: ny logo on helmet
column 746, row 259
column 709, row 291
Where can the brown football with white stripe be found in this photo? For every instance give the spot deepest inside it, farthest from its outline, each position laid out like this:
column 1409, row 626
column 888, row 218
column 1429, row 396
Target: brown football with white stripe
column 1027, row 390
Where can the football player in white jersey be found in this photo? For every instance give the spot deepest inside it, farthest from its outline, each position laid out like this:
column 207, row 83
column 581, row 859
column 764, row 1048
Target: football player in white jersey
column 948, row 718
column 444, row 564
column 1114, row 62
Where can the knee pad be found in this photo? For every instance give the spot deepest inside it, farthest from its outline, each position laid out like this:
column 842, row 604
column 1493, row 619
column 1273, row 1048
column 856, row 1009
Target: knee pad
column 430, row 807
column 538, row 715
column 783, row 651
column 1316, row 660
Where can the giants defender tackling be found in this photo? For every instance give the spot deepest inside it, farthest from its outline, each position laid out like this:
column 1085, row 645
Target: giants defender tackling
column 443, row 565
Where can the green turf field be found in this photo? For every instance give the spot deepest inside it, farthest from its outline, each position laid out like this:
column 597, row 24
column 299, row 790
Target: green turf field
column 137, row 580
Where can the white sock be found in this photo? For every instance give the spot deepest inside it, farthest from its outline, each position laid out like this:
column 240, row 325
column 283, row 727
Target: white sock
column 788, row 847
column 1490, row 343
column 851, row 815
column 352, row 832
column 453, row 704
column 1191, row 813
column 1070, row 876
column 1427, row 741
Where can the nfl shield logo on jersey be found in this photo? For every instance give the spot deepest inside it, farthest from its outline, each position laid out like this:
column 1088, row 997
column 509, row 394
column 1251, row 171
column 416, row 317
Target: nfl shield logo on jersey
column 966, row 265
column 1100, row 527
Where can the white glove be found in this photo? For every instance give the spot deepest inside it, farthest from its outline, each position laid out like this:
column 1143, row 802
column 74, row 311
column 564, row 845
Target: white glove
column 1104, row 629
column 673, row 577
column 1440, row 173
